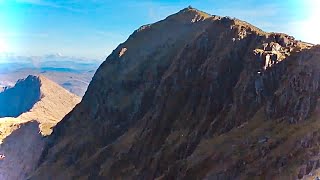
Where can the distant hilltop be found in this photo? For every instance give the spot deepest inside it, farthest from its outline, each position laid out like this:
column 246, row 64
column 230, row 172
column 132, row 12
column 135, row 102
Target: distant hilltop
column 28, row 111
column 36, row 98
column 74, row 72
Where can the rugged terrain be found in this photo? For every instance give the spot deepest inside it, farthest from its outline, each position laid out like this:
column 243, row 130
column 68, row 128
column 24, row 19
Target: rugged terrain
column 29, row 110
column 20, row 98
column 194, row 96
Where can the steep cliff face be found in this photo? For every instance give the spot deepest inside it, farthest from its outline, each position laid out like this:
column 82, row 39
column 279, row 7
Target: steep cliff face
column 194, row 96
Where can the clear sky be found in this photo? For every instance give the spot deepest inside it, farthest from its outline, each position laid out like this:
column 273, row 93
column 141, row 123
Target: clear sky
column 93, row 28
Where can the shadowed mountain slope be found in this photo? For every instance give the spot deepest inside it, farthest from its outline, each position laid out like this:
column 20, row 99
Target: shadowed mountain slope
column 22, row 149
column 194, row 96
column 20, row 98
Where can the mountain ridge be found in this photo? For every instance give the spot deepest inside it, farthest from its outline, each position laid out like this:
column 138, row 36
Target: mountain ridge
column 194, row 97
column 22, row 136
column 13, row 104
column 46, row 107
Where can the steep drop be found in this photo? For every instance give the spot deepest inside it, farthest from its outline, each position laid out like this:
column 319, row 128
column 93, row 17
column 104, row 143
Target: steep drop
column 194, row 96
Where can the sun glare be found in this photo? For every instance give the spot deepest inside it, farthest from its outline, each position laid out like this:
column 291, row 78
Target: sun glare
column 311, row 25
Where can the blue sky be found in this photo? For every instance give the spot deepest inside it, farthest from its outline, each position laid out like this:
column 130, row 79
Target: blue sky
column 93, row 28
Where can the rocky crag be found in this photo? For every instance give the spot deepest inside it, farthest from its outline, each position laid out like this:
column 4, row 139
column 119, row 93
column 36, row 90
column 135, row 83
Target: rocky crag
column 36, row 105
column 20, row 98
column 194, row 96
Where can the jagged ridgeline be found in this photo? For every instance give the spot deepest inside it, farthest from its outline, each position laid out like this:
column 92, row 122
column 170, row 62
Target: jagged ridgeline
column 20, row 98
column 194, row 96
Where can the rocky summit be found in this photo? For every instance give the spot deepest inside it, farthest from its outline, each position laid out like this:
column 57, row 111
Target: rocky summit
column 194, row 96
column 20, row 98
column 29, row 110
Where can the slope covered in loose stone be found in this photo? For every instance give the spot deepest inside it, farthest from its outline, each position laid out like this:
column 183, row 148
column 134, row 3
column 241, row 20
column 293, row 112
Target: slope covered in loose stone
column 194, row 96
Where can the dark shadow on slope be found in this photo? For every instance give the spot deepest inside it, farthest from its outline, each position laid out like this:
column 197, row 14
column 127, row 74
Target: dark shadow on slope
column 22, row 149
column 20, row 98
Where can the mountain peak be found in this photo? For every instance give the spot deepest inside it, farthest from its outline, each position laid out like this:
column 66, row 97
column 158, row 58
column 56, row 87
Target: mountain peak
column 29, row 78
column 34, row 94
column 35, row 104
column 189, row 91
column 191, row 9
column 190, row 14
column 21, row 97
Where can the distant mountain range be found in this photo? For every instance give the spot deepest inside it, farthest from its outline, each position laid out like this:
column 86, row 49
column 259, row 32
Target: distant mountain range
column 72, row 73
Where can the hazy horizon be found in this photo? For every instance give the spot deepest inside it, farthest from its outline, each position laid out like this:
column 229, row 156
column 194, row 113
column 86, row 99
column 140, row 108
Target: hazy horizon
column 93, row 28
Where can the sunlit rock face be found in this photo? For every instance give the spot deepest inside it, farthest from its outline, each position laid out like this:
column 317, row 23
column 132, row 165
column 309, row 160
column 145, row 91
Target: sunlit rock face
column 194, row 96
column 22, row 150
column 22, row 137
column 20, row 98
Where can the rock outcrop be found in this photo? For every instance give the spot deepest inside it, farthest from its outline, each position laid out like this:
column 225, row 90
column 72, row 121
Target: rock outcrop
column 21, row 137
column 194, row 96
